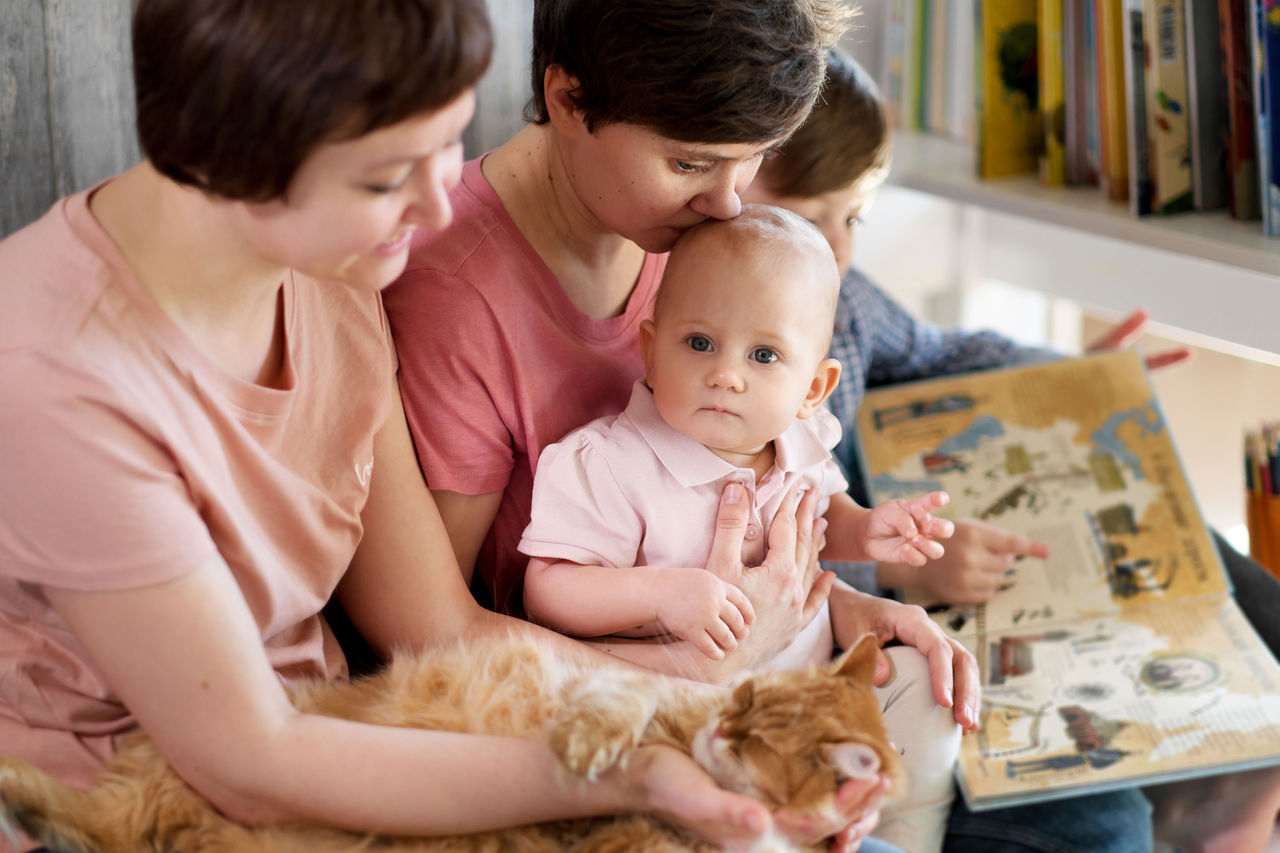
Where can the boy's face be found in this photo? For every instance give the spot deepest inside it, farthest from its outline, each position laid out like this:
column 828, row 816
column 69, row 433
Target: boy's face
column 836, row 214
column 736, row 346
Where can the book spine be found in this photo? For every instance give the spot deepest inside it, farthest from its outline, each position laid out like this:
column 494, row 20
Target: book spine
column 1270, row 34
column 891, row 60
column 1257, row 70
column 919, row 60
column 961, row 44
column 1111, row 97
column 1008, row 118
column 1053, row 160
column 1075, row 93
column 1206, row 105
column 1242, row 170
column 939, row 60
column 1135, row 100
column 1092, row 121
column 1168, row 130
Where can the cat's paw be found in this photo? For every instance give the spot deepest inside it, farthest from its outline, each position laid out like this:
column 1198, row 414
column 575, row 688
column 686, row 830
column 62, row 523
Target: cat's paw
column 601, row 722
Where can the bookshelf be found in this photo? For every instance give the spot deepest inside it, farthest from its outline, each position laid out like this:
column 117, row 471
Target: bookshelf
column 943, row 167
column 1213, row 277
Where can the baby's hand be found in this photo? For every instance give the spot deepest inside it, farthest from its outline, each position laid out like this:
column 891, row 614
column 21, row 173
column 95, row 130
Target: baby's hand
column 701, row 609
column 899, row 531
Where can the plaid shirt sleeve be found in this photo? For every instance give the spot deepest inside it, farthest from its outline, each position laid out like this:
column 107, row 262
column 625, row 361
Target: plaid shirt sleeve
column 878, row 343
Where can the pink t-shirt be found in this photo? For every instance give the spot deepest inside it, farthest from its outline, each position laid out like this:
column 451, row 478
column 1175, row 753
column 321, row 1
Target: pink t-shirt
column 128, row 458
column 629, row 490
column 496, row 363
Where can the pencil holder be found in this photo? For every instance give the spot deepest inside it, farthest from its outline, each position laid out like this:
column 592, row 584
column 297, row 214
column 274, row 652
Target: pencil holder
column 1262, row 515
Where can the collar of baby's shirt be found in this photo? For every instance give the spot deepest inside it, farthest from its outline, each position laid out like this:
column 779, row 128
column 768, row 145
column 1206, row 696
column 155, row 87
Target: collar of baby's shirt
column 807, row 442
column 688, row 462
column 804, row 444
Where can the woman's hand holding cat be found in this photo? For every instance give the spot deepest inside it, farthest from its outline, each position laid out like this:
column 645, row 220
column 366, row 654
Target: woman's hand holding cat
column 953, row 667
column 672, row 787
column 858, row 804
column 695, row 605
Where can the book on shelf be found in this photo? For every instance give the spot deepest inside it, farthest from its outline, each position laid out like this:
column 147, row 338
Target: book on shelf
column 1080, row 93
column 1265, row 18
column 960, row 96
column 1135, row 104
column 1053, row 108
column 1007, row 114
column 1206, row 105
column 936, row 50
column 1092, row 120
column 1240, row 143
column 900, row 72
column 1119, row 660
column 1168, row 130
column 1113, row 118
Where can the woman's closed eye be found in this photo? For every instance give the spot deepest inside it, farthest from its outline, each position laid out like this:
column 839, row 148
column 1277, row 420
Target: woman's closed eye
column 388, row 182
column 384, row 189
column 688, row 168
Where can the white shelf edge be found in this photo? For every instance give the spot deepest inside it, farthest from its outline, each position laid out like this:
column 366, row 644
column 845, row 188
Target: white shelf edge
column 945, row 168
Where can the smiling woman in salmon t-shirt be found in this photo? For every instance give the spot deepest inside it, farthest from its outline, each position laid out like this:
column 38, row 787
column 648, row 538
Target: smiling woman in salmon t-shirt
column 201, row 436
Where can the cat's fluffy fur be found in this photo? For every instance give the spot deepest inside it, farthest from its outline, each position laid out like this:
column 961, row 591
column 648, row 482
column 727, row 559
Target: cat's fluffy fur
column 787, row 738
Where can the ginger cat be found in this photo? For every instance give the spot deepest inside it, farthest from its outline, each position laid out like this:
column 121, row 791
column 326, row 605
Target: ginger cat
column 787, row 738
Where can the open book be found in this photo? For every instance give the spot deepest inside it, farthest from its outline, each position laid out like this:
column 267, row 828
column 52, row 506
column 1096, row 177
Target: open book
column 1121, row 659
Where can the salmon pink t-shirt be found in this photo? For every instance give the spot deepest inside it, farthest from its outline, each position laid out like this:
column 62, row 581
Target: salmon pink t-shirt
column 496, row 363
column 128, row 458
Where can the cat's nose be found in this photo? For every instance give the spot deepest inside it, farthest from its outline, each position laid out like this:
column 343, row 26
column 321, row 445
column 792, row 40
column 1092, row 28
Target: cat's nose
column 856, row 760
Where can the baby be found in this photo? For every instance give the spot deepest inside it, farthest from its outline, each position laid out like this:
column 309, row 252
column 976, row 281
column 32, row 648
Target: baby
column 737, row 373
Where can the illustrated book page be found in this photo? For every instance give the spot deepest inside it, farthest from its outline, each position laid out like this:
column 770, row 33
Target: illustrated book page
column 1120, row 659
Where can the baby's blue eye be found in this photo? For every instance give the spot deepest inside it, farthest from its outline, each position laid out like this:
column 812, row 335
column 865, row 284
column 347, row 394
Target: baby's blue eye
column 699, row 343
column 764, row 355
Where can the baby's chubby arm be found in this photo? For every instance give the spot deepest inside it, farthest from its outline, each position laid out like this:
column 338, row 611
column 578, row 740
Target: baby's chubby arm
column 594, row 601
column 897, row 531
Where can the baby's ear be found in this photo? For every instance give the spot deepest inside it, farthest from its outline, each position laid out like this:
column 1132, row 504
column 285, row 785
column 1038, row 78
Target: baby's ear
column 859, row 662
column 646, row 344
column 825, row 379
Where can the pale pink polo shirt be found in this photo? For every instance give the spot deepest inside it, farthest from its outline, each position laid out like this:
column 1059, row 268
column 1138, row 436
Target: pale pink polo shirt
column 629, row 490
column 128, row 458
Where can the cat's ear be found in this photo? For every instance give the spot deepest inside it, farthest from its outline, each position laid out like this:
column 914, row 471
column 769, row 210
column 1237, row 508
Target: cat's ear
column 743, row 695
column 859, row 663
column 853, row 760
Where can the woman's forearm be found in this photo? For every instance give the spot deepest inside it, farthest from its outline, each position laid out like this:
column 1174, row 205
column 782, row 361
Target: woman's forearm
column 406, row 781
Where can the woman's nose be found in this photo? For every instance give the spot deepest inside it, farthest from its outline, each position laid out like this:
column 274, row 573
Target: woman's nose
column 431, row 207
column 722, row 199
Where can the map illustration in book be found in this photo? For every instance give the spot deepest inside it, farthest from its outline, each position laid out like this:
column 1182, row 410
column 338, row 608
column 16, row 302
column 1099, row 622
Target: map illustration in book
column 1121, row 659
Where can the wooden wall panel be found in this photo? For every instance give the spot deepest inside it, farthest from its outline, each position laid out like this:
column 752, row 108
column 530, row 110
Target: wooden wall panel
column 91, row 108
column 26, row 159
column 502, row 94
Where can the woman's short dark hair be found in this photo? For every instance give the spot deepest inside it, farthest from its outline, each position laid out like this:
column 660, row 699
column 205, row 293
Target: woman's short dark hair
column 722, row 71
column 846, row 137
column 233, row 95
